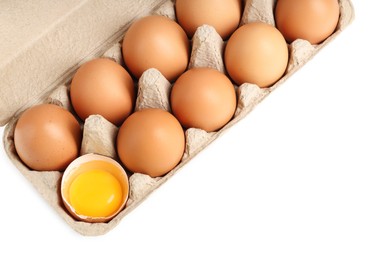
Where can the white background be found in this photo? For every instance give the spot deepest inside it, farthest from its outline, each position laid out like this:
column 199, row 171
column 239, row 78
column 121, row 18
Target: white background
column 306, row 175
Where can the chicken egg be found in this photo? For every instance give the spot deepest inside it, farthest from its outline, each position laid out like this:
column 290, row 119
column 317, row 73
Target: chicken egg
column 256, row 53
column 223, row 15
column 311, row 20
column 47, row 137
column 94, row 188
column 102, row 87
column 151, row 141
column 203, row 98
column 156, row 42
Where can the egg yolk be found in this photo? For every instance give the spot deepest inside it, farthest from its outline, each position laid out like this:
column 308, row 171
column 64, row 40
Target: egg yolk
column 95, row 193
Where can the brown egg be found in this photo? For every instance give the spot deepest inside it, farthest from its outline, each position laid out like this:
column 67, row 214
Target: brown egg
column 47, row 138
column 103, row 87
column 151, row 141
column 256, row 53
column 156, row 42
column 223, row 15
column 310, row 20
column 203, row 98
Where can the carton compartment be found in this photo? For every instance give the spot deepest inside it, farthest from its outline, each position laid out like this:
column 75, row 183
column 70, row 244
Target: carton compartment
column 153, row 90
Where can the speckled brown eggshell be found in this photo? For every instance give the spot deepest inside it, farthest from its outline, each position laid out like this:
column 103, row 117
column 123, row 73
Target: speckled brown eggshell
column 47, row 138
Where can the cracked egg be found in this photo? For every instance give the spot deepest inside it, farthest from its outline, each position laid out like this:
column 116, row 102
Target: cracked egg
column 94, row 188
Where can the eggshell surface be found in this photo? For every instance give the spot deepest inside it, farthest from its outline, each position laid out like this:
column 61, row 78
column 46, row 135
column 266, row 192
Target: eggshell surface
column 203, row 98
column 103, row 87
column 256, row 53
column 151, row 141
column 223, row 15
column 311, row 20
column 47, row 138
column 156, row 42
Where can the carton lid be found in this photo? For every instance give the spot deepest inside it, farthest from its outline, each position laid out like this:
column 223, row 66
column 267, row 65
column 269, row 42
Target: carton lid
column 42, row 42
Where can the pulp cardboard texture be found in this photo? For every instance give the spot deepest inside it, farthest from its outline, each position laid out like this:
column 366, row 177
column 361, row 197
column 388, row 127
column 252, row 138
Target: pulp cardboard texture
column 38, row 68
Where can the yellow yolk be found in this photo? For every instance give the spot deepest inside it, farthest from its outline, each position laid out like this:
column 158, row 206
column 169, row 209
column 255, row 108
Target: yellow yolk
column 95, row 193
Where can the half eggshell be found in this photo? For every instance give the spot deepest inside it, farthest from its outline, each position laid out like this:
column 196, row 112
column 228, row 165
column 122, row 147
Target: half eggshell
column 90, row 162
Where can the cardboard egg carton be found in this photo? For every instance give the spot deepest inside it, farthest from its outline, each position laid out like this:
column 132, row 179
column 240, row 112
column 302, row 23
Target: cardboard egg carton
column 99, row 135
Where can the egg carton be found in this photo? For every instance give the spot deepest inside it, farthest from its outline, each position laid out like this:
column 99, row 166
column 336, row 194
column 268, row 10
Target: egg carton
column 99, row 135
